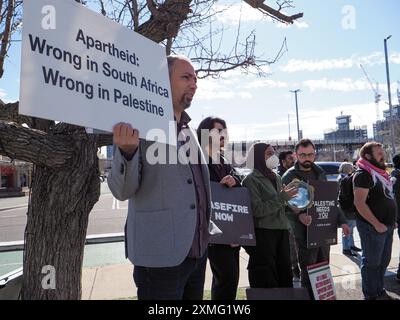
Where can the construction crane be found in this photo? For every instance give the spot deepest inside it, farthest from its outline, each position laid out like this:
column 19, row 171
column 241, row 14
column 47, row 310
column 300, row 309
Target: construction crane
column 376, row 92
column 398, row 92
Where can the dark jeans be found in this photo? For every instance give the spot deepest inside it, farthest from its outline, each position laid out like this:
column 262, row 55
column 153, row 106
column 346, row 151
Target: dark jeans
column 376, row 255
column 309, row 257
column 269, row 261
column 348, row 242
column 224, row 262
column 182, row 282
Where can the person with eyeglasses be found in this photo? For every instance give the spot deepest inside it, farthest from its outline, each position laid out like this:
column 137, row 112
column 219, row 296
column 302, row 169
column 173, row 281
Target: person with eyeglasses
column 224, row 258
column 305, row 169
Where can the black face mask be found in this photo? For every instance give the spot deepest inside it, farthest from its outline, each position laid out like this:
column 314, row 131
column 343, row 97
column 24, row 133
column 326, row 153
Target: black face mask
column 377, row 164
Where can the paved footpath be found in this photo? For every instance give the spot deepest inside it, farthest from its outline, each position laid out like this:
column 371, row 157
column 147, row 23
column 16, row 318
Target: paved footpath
column 115, row 281
column 108, row 275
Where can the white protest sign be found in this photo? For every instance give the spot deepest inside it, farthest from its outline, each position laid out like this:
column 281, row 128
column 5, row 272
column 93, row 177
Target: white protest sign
column 81, row 68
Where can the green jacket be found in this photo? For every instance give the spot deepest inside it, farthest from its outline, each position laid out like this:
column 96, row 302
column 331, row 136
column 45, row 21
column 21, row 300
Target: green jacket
column 297, row 228
column 268, row 205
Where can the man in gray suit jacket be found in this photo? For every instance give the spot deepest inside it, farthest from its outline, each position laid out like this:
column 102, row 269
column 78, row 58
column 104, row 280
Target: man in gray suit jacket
column 167, row 227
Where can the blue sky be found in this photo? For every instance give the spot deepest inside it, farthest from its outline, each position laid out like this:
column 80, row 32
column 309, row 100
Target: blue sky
column 323, row 61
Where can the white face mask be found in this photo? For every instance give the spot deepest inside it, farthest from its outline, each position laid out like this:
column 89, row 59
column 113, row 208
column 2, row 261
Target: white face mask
column 272, row 162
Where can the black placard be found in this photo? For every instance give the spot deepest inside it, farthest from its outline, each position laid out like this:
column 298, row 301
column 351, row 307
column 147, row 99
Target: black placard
column 232, row 214
column 323, row 229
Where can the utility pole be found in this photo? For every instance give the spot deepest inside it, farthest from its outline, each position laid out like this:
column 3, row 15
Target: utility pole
column 391, row 123
column 297, row 112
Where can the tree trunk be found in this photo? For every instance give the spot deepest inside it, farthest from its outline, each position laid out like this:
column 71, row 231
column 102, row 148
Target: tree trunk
column 62, row 199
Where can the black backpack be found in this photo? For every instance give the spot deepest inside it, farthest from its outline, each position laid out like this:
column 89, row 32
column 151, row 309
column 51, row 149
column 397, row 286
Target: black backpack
column 346, row 196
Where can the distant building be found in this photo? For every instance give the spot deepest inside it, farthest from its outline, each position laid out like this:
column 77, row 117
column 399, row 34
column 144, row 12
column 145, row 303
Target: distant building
column 15, row 176
column 382, row 127
column 345, row 134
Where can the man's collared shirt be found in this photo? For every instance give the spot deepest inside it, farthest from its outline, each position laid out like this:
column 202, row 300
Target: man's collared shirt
column 201, row 236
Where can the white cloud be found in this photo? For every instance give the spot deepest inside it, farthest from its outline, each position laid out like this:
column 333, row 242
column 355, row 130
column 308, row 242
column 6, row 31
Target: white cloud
column 297, row 24
column 257, row 131
column 266, row 83
column 345, row 85
column 234, row 85
column 231, row 14
column 3, row 94
column 301, row 24
column 223, row 88
column 394, row 58
column 375, row 58
column 244, row 95
column 295, row 65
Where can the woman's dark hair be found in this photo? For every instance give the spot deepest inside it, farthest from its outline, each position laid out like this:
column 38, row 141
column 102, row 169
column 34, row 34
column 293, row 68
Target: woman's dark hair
column 208, row 124
column 256, row 159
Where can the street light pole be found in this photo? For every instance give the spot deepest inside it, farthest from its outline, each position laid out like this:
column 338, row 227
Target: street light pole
column 389, row 97
column 297, row 113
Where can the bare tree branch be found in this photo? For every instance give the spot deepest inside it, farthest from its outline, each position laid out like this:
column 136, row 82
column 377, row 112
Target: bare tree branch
column 179, row 25
column 275, row 14
column 134, row 10
column 166, row 23
column 35, row 146
column 103, row 11
column 5, row 39
column 168, row 46
column 152, row 8
column 9, row 112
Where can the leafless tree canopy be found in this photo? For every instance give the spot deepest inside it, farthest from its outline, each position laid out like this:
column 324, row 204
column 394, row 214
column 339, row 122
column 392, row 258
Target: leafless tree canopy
column 191, row 28
column 183, row 26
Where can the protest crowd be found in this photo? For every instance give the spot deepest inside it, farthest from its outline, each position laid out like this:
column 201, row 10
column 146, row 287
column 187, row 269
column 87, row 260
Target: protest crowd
column 169, row 230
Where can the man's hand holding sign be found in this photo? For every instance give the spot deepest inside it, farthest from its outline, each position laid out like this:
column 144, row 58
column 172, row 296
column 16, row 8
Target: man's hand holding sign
column 126, row 138
column 229, row 181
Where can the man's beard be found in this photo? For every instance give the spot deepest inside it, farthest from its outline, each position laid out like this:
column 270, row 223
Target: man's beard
column 306, row 164
column 377, row 164
column 186, row 102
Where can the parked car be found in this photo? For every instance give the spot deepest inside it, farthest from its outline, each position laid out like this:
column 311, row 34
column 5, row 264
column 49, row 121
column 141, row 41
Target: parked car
column 331, row 169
